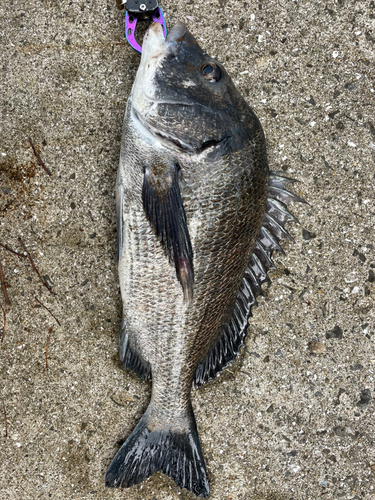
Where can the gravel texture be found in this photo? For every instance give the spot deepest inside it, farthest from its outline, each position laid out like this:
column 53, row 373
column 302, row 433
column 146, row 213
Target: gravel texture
column 293, row 418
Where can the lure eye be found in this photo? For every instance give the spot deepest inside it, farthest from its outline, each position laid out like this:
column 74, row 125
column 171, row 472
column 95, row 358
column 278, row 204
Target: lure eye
column 211, row 72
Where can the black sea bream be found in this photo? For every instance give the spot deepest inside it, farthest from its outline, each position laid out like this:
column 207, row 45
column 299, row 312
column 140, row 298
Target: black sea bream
column 199, row 216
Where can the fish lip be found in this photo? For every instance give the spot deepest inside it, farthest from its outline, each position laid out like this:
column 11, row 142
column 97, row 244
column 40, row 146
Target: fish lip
column 155, row 42
column 177, row 33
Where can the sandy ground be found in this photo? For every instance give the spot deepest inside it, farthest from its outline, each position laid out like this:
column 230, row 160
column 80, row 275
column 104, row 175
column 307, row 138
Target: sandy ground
column 294, row 417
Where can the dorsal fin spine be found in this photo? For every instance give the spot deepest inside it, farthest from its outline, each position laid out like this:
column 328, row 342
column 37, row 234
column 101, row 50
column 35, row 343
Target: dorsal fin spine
column 275, row 244
column 278, row 227
column 281, row 208
column 264, row 254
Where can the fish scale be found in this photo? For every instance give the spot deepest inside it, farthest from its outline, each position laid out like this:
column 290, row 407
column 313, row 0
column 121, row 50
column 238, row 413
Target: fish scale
column 163, row 328
column 199, row 217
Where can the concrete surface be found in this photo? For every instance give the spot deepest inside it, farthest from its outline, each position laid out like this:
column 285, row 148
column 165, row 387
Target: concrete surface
column 292, row 419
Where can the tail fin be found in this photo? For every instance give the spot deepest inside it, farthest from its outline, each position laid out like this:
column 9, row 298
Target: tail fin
column 173, row 450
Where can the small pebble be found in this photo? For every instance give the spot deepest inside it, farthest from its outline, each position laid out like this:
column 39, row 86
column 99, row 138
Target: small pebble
column 317, row 347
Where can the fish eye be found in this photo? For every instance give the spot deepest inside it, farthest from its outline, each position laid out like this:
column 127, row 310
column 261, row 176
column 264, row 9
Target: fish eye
column 211, row 72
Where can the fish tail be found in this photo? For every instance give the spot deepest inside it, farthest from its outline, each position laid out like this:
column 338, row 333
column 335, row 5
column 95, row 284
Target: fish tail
column 158, row 446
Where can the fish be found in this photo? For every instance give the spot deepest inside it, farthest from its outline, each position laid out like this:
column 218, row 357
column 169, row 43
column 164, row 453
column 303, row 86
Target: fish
column 199, row 216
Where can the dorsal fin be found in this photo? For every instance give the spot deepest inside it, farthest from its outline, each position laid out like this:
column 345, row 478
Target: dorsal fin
column 272, row 231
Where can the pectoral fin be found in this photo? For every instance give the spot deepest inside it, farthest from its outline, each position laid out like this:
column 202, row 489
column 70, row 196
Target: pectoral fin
column 164, row 209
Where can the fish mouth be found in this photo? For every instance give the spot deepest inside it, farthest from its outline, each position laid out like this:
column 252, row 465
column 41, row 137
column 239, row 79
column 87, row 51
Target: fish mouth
column 175, row 142
column 156, row 45
column 161, row 136
column 176, row 34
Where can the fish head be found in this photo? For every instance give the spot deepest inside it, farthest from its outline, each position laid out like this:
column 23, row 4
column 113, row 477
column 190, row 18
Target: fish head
column 185, row 97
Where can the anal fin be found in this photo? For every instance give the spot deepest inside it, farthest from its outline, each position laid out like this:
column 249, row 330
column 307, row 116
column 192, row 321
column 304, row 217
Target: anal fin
column 130, row 358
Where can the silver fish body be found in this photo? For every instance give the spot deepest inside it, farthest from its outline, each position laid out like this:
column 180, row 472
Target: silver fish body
column 198, row 219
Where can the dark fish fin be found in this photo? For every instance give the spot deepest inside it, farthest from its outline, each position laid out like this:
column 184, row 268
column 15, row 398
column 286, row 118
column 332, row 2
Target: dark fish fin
column 154, row 446
column 119, row 208
column 272, row 231
column 163, row 205
column 130, row 358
